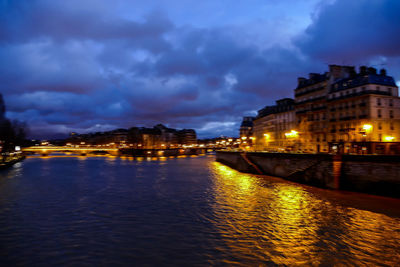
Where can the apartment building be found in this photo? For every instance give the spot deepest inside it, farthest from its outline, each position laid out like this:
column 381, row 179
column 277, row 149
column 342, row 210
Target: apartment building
column 341, row 110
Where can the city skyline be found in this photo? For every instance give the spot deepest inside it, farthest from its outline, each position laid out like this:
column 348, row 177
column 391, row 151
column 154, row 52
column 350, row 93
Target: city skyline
column 87, row 66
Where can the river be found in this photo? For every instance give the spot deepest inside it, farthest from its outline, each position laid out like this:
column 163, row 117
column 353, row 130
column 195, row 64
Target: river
column 191, row 211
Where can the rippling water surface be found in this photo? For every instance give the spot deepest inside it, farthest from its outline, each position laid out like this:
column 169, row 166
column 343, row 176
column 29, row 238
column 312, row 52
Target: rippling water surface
column 184, row 211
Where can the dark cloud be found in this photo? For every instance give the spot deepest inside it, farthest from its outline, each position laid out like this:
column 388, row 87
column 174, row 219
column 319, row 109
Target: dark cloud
column 353, row 31
column 82, row 66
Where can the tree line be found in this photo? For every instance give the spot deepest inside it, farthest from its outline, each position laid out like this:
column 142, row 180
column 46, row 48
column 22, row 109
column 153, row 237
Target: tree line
column 12, row 133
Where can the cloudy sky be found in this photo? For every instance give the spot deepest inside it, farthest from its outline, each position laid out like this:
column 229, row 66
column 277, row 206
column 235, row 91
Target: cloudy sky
column 93, row 65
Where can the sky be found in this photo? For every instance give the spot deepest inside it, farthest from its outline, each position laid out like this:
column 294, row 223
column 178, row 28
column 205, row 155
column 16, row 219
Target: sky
column 97, row 65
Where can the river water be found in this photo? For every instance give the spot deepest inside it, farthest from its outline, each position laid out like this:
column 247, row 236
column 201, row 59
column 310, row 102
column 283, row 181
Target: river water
column 192, row 211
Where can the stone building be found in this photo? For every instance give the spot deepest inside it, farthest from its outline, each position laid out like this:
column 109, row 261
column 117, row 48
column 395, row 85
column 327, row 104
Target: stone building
column 341, row 110
column 187, row 137
column 158, row 137
column 273, row 126
column 246, row 128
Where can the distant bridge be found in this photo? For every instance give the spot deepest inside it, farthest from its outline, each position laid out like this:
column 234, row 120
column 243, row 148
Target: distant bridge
column 45, row 150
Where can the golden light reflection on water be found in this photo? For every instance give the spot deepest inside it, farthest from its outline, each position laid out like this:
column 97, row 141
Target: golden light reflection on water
column 286, row 223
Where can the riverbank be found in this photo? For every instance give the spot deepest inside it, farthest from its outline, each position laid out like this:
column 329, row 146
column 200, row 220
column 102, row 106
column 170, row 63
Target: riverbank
column 372, row 174
column 10, row 160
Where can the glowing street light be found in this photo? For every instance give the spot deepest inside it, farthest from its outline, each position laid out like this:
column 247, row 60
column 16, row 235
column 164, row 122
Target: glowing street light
column 292, row 134
column 389, row 138
column 367, row 127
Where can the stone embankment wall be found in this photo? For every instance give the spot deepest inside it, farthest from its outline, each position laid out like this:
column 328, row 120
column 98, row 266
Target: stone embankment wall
column 373, row 174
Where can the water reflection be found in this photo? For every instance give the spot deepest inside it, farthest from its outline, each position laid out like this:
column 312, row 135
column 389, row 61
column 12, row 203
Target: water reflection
column 288, row 224
column 186, row 211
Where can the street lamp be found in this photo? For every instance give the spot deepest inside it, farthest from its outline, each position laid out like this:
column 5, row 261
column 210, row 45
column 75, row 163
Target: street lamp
column 389, row 138
column 367, row 127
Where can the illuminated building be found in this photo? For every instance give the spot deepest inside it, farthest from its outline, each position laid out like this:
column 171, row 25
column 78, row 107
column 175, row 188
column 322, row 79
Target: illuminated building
column 338, row 111
column 187, row 137
column 157, row 137
column 246, row 132
column 272, row 123
column 364, row 113
column 246, row 128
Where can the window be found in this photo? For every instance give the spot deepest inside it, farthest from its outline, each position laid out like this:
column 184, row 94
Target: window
column 378, row 88
column 380, row 137
column 378, row 101
column 391, row 102
column 379, row 113
column 391, row 126
column 390, row 90
column 379, row 126
column 391, row 114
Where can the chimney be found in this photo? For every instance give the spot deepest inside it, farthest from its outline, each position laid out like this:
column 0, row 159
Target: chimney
column 383, row 72
column 301, row 80
column 312, row 75
column 371, row 70
column 335, row 71
column 363, row 70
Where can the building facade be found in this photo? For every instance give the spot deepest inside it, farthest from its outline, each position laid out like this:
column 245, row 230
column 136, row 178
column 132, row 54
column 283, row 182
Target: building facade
column 341, row 110
column 271, row 125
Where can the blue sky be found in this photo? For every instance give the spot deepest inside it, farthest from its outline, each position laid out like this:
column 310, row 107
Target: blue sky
column 92, row 65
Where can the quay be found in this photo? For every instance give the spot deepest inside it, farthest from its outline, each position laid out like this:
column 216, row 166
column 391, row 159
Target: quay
column 10, row 159
column 372, row 174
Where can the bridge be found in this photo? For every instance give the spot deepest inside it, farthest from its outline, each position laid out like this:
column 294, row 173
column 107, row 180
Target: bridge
column 115, row 151
column 46, row 150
